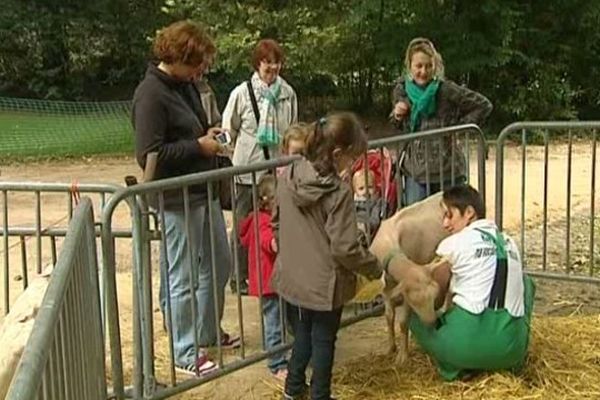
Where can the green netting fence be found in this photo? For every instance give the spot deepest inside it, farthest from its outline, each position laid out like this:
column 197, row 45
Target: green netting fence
column 41, row 129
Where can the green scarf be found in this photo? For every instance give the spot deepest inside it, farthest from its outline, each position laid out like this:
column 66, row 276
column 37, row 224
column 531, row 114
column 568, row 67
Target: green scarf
column 422, row 101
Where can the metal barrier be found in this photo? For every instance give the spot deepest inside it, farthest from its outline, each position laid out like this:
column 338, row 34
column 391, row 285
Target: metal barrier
column 144, row 369
column 64, row 356
column 37, row 229
column 144, row 382
column 461, row 134
column 550, row 262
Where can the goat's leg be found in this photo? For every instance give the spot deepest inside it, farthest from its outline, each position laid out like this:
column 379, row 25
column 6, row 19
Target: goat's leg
column 390, row 316
column 403, row 316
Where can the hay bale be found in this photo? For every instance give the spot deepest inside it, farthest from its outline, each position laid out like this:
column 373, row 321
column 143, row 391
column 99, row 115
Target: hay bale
column 564, row 362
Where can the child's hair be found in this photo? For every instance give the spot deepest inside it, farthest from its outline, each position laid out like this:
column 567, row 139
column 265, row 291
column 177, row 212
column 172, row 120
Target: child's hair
column 338, row 130
column 359, row 177
column 266, row 190
column 424, row 45
column 463, row 196
column 298, row 132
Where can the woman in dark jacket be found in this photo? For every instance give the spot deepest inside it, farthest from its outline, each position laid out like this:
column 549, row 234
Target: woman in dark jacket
column 423, row 99
column 170, row 120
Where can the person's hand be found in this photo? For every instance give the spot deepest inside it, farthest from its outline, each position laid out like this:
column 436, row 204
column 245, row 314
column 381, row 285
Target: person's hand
column 274, row 246
column 401, row 110
column 209, row 146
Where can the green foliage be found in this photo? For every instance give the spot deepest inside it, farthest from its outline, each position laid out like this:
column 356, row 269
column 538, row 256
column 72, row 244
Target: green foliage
column 534, row 60
column 74, row 50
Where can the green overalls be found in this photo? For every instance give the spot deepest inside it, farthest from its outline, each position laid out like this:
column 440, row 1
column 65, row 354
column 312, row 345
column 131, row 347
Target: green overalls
column 463, row 342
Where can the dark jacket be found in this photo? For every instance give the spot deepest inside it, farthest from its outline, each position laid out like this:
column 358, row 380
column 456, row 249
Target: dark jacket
column 168, row 118
column 456, row 105
column 319, row 253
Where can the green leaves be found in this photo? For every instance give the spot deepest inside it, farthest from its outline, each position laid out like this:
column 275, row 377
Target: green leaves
column 534, row 60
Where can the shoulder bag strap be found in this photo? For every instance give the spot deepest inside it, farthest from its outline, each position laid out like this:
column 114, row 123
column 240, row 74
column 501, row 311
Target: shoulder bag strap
column 256, row 115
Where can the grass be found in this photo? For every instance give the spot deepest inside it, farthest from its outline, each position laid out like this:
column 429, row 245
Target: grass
column 31, row 135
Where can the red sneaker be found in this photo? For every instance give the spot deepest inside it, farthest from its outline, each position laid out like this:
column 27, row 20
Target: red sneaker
column 202, row 366
column 230, row 342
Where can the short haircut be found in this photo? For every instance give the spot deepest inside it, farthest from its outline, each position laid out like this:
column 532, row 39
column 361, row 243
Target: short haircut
column 267, row 49
column 185, row 42
column 463, row 196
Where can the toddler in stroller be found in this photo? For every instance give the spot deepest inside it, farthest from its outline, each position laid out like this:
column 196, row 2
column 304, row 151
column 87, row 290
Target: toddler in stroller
column 374, row 190
column 375, row 199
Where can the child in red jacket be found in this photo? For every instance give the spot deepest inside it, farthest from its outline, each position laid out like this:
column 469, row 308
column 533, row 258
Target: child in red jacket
column 261, row 261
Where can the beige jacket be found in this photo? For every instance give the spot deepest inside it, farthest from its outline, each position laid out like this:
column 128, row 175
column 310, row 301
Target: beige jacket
column 319, row 252
column 239, row 119
column 209, row 103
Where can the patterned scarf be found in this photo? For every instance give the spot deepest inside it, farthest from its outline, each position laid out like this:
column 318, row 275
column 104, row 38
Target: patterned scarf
column 267, row 133
column 423, row 101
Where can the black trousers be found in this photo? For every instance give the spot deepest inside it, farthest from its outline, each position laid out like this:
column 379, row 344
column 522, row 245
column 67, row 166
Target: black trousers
column 315, row 333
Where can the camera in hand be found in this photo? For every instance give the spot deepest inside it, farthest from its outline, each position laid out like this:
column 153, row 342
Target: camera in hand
column 224, row 137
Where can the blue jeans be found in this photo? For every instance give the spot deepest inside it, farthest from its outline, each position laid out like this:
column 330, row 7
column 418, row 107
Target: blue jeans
column 315, row 336
column 416, row 191
column 273, row 333
column 182, row 272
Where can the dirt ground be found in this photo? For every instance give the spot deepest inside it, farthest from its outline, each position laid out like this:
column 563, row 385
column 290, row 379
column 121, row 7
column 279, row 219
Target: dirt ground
column 358, row 340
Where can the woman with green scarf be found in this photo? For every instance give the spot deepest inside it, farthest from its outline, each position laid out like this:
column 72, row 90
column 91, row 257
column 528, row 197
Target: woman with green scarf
column 257, row 114
column 423, row 99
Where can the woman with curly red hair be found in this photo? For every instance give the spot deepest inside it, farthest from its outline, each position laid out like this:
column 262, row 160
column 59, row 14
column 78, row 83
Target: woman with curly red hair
column 169, row 120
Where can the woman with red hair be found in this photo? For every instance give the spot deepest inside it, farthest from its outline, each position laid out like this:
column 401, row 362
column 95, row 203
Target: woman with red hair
column 257, row 114
column 169, row 119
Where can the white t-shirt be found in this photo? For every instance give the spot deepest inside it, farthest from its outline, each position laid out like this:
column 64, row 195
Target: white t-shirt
column 473, row 259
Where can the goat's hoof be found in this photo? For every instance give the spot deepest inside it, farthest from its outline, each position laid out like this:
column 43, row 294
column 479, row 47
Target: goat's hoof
column 401, row 358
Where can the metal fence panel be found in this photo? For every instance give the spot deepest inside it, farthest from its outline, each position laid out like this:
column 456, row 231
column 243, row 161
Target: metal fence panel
column 143, row 365
column 143, row 381
column 556, row 231
column 36, row 229
column 64, row 356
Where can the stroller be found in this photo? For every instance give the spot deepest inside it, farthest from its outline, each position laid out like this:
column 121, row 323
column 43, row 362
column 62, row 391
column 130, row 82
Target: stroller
column 381, row 164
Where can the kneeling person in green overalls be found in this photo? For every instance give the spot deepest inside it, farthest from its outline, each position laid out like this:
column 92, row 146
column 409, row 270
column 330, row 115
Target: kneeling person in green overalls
column 487, row 326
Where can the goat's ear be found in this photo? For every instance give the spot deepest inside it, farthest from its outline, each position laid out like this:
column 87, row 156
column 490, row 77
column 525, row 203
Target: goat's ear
column 434, row 290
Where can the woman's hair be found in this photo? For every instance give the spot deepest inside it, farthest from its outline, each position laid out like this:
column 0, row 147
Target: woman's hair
column 339, row 130
column 297, row 131
column 266, row 190
column 183, row 42
column 425, row 46
column 267, row 49
column 463, row 196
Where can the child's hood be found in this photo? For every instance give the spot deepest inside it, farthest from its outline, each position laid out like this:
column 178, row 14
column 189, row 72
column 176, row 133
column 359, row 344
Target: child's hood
column 306, row 185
